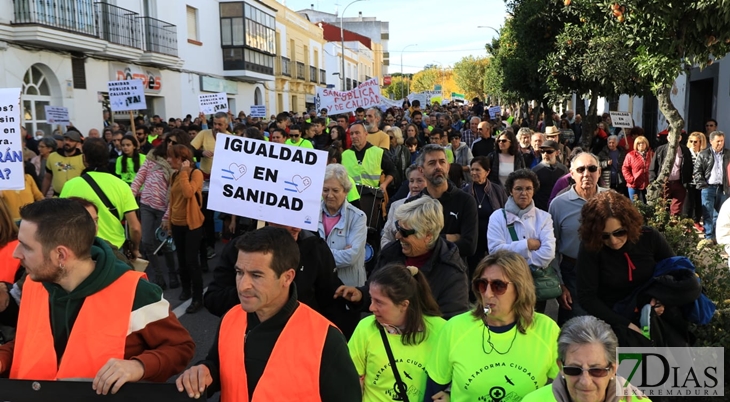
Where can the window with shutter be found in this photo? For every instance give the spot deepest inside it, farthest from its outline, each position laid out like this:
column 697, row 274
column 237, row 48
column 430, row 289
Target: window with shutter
column 78, row 72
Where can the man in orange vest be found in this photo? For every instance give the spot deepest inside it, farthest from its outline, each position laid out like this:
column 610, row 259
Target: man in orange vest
column 83, row 313
column 273, row 348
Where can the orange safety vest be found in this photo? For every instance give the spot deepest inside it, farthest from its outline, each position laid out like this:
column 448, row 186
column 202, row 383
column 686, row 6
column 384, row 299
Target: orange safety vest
column 8, row 265
column 292, row 372
column 99, row 333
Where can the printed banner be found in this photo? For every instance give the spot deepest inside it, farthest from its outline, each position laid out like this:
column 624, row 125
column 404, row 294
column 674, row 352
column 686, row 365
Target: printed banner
column 258, row 111
column 81, row 391
column 213, row 103
column 11, row 153
column 622, row 119
column 267, row 181
column 57, row 115
column 126, row 95
column 365, row 95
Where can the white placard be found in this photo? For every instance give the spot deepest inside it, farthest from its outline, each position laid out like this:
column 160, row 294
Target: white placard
column 57, row 115
column 126, row 95
column 213, row 103
column 365, row 95
column 267, row 181
column 11, row 156
column 258, row 111
column 495, row 111
column 622, row 119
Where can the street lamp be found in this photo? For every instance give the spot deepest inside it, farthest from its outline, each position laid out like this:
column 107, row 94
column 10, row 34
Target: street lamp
column 342, row 42
column 485, row 26
column 401, row 70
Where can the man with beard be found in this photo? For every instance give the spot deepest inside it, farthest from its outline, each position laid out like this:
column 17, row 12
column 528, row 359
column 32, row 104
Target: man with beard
column 143, row 133
column 376, row 136
column 63, row 165
column 548, row 171
column 460, row 208
column 565, row 211
column 417, row 119
column 204, row 145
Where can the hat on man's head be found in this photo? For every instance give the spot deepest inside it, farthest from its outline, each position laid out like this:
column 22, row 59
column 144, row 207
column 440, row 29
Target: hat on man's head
column 58, row 137
column 552, row 130
column 550, row 144
column 72, row 135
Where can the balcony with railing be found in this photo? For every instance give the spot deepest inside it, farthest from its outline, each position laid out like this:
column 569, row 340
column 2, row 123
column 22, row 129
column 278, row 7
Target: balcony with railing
column 159, row 36
column 322, row 76
column 118, row 25
column 300, row 70
column 313, row 74
column 285, row 66
column 73, row 16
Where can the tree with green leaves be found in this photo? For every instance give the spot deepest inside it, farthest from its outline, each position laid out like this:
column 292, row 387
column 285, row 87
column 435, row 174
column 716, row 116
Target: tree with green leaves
column 398, row 88
column 668, row 38
column 469, row 75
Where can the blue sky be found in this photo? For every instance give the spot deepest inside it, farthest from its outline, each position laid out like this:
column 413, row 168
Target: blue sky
column 443, row 34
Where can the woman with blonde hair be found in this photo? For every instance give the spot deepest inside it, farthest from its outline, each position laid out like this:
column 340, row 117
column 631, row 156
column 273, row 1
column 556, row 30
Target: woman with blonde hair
column 500, row 348
column 696, row 142
column 636, row 169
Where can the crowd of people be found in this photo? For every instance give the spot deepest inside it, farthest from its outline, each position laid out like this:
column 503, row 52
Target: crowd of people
column 454, row 228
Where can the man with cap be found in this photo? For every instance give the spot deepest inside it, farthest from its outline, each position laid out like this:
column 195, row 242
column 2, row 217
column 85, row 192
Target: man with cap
column 553, row 133
column 64, row 164
column 548, row 171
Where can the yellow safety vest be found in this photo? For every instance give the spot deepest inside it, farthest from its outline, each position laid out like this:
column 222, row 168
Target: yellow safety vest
column 368, row 172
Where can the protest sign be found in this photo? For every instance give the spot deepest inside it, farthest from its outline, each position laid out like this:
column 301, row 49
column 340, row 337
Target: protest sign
column 622, row 119
column 57, row 115
column 11, row 153
column 213, row 103
column 126, row 95
column 495, row 111
column 386, row 103
column 267, row 181
column 365, row 95
column 81, row 391
column 258, row 111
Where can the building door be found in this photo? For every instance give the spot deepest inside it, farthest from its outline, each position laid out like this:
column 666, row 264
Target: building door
column 700, row 104
column 36, row 95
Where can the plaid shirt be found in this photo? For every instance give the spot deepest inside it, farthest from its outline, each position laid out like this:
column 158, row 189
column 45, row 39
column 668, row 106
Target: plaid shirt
column 468, row 137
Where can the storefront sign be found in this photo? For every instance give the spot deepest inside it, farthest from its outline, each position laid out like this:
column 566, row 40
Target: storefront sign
column 151, row 77
column 11, row 156
column 267, row 181
column 126, row 95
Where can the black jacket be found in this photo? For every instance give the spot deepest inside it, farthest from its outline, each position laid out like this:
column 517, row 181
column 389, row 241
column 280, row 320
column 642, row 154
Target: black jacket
column 482, row 147
column 703, row 166
column 445, row 272
column 338, row 379
column 685, row 174
column 315, row 278
column 494, row 162
column 460, row 217
column 604, row 156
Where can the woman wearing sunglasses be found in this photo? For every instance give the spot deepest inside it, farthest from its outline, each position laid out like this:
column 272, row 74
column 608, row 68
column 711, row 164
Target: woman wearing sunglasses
column 587, row 360
column 502, row 349
column 506, row 158
column 523, row 228
column 405, row 324
column 693, row 201
column 617, row 255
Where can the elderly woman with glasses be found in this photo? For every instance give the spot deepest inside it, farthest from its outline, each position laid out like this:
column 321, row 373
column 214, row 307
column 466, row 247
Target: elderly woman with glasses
column 418, row 224
column 343, row 226
column 587, row 359
column 502, row 349
column 617, row 256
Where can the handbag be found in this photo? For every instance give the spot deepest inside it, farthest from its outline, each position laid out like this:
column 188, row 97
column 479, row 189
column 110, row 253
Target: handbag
column 401, row 388
column 127, row 247
column 547, row 283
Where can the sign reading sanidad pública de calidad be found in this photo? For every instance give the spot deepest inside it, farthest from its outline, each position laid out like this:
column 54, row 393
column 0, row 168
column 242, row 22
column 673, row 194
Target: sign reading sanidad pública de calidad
column 267, row 181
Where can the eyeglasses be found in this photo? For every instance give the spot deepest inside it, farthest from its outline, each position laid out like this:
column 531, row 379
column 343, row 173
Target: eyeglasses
column 502, row 140
column 169, row 141
column 404, row 232
column 692, row 141
column 593, row 372
column 294, row 135
column 591, row 168
column 523, row 189
column 616, row 233
column 547, row 151
column 498, row 286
